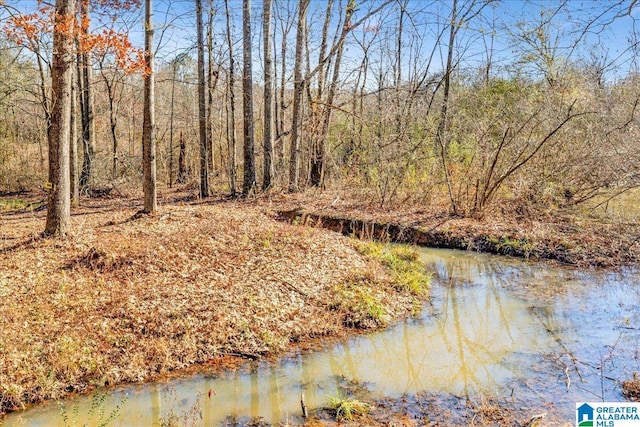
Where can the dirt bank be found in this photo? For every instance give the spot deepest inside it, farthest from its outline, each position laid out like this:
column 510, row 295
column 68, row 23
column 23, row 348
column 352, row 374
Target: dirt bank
column 569, row 237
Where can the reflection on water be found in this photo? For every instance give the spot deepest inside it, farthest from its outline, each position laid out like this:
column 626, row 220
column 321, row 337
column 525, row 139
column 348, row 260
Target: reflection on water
column 540, row 334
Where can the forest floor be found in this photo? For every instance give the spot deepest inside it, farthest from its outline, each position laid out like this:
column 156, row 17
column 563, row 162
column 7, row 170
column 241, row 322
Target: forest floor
column 130, row 298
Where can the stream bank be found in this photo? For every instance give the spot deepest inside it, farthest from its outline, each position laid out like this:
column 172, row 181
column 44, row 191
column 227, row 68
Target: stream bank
column 500, row 343
column 565, row 240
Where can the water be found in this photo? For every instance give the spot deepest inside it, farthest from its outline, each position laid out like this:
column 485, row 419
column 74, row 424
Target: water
column 542, row 335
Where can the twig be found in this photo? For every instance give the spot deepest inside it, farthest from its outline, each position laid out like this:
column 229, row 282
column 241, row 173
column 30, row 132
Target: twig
column 303, row 406
column 533, row 419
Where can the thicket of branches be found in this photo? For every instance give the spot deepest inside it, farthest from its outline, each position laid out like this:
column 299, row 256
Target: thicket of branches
column 465, row 101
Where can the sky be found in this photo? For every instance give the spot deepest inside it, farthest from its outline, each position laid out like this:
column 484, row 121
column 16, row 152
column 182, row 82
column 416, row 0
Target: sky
column 611, row 28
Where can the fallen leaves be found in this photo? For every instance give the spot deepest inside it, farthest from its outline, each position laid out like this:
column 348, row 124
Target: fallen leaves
column 127, row 298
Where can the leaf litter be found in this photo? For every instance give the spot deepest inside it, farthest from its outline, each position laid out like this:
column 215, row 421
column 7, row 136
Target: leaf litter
column 127, row 298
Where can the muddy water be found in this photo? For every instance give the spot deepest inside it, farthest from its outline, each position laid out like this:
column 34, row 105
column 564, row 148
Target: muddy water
column 542, row 337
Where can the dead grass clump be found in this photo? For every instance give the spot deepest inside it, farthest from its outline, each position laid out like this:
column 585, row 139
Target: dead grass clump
column 488, row 411
column 631, row 388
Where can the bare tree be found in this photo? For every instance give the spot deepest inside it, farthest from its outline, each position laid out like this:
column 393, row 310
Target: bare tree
column 247, row 102
column 59, row 201
column 470, row 11
column 202, row 107
column 148, row 127
column 298, row 87
column 318, row 155
column 114, row 94
column 280, row 101
column 172, row 104
column 231, row 121
column 74, row 176
column 212, row 83
column 268, row 96
column 85, row 73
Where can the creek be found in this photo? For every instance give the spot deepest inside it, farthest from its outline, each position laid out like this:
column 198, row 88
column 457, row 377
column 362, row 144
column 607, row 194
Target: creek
column 537, row 334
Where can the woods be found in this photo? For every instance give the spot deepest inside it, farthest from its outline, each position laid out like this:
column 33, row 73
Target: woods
column 471, row 105
column 177, row 178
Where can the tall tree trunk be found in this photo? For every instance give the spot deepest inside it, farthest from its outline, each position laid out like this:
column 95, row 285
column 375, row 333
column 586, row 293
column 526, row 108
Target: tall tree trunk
column 86, row 104
column 298, row 88
column 398, row 69
column 74, row 176
column 148, row 127
column 202, row 107
column 59, row 200
column 267, row 144
column 183, row 174
column 45, row 101
column 231, row 122
column 323, row 67
column 281, row 103
column 442, row 144
column 212, row 82
column 113, row 120
column 247, row 102
column 319, row 149
column 171, row 114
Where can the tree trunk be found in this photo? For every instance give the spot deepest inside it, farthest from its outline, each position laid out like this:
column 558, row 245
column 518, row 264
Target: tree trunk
column 267, row 144
column 281, row 103
column 315, row 171
column 73, row 148
column 113, row 119
column 86, row 105
column 231, row 122
column 171, row 114
column 212, row 82
column 318, row 155
column 183, row 175
column 442, row 144
column 298, row 87
column 247, row 102
column 202, row 107
column 148, row 127
column 59, row 200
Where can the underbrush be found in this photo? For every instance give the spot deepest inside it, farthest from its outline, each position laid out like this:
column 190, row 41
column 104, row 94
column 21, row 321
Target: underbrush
column 631, row 388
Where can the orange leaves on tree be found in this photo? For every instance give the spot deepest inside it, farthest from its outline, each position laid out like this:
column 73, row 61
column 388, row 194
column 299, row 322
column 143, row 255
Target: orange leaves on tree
column 27, row 29
column 126, row 56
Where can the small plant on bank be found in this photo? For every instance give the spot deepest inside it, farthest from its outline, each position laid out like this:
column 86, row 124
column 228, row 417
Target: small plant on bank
column 347, row 408
column 365, row 308
column 402, row 261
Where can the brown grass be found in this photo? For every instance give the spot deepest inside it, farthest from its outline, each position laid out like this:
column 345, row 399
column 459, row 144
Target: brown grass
column 128, row 297
column 631, row 388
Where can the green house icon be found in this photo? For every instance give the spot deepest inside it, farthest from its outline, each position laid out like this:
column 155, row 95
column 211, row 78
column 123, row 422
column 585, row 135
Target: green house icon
column 585, row 415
